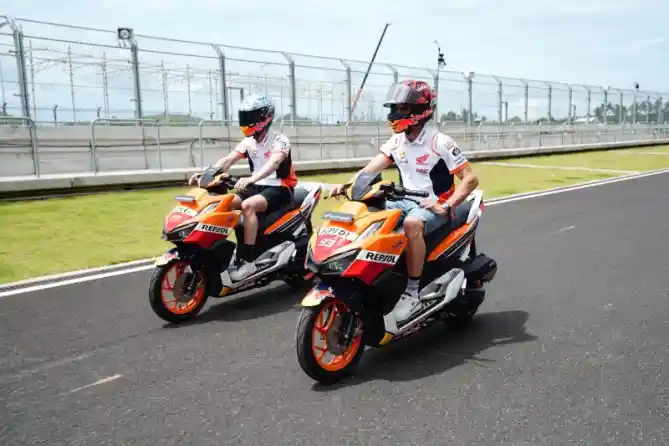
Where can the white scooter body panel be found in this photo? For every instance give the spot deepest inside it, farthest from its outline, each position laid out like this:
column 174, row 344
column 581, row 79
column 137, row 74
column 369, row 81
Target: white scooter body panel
column 446, row 287
column 284, row 252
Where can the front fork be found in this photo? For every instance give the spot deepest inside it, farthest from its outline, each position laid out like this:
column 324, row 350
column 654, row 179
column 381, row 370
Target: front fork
column 190, row 286
column 321, row 293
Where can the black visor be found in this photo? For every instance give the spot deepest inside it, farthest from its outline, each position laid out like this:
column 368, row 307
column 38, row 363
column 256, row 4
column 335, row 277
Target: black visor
column 251, row 117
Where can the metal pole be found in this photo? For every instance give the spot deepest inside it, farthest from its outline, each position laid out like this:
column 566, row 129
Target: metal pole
column 20, row 66
column 224, row 89
column 134, row 51
column 440, row 62
column 371, row 62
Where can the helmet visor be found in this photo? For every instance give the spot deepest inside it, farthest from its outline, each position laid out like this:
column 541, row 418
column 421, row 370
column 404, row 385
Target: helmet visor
column 250, row 117
column 402, row 94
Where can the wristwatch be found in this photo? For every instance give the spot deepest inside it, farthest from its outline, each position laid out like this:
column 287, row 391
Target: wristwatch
column 447, row 208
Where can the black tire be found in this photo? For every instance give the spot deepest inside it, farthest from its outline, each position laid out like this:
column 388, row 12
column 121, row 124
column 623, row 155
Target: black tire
column 305, row 355
column 464, row 314
column 156, row 300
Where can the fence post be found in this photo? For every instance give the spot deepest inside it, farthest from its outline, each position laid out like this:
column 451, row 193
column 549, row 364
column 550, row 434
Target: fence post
column 589, row 101
column 349, row 104
column 606, row 104
column 499, row 99
column 224, row 88
column 293, row 88
column 19, row 50
column 550, row 102
column 396, row 74
column 571, row 101
column 470, row 113
column 435, row 76
column 526, row 94
column 134, row 51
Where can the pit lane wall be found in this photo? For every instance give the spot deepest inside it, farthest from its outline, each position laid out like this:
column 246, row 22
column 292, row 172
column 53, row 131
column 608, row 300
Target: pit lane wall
column 132, row 152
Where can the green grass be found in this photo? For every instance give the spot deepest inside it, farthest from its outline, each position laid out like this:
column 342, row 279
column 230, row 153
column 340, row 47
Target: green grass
column 611, row 159
column 64, row 234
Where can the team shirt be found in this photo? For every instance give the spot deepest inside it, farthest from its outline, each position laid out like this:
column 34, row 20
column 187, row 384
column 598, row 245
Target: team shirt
column 258, row 154
column 428, row 163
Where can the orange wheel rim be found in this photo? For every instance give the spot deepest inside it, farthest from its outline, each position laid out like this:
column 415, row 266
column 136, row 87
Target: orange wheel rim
column 167, row 295
column 324, row 357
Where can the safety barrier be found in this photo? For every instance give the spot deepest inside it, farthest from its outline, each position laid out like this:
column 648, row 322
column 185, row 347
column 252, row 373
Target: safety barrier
column 92, row 181
column 114, row 145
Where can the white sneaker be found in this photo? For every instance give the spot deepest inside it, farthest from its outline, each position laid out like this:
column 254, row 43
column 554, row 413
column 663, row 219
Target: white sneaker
column 243, row 271
column 407, row 306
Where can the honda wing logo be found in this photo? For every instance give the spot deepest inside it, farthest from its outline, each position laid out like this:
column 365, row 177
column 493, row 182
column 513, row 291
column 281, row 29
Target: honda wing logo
column 422, row 159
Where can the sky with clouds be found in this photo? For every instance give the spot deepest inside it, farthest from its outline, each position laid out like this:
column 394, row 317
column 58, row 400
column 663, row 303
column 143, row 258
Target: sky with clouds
column 593, row 42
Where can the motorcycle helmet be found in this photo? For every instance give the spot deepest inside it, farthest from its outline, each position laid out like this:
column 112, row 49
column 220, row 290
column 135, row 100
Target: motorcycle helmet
column 411, row 103
column 256, row 113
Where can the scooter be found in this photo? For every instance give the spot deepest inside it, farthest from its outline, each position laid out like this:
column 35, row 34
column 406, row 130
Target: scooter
column 199, row 226
column 358, row 255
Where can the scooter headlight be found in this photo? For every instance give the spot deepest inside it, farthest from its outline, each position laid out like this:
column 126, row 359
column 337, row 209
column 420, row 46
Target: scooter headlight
column 179, row 234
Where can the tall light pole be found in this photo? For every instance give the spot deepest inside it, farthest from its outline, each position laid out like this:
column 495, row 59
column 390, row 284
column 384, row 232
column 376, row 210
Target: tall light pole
column 440, row 62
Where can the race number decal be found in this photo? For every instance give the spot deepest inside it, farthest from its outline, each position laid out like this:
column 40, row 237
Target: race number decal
column 327, row 242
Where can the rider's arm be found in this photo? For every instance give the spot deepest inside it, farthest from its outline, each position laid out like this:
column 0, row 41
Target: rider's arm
column 458, row 165
column 381, row 161
column 231, row 158
column 376, row 164
column 279, row 152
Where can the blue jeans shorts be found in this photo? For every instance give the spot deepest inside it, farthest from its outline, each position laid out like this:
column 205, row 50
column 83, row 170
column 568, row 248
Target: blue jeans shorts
column 431, row 221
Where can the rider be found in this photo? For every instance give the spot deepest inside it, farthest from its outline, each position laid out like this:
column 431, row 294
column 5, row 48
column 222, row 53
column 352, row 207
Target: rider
column 272, row 179
column 427, row 159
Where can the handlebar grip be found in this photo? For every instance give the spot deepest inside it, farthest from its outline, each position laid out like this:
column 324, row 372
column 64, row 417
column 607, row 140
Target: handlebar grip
column 399, row 190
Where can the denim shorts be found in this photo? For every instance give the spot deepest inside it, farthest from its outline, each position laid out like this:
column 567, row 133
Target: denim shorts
column 431, row 221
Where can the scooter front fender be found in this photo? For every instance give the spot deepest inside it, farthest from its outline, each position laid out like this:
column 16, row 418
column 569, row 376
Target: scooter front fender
column 317, row 295
column 166, row 257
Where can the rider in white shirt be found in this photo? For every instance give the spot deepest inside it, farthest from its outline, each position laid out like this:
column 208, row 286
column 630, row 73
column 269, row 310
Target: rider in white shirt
column 427, row 160
column 272, row 180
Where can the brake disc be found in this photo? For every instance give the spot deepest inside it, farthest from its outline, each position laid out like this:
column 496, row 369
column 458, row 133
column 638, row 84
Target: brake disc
column 335, row 337
column 180, row 292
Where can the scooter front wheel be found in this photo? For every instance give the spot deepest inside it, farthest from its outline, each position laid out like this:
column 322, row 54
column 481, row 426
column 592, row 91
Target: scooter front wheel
column 322, row 350
column 170, row 292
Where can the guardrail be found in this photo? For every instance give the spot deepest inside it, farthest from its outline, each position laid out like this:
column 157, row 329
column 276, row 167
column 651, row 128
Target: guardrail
column 32, row 130
column 114, row 145
column 89, row 182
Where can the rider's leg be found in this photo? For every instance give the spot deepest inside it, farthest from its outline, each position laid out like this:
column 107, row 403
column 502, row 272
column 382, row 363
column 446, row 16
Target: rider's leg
column 266, row 199
column 250, row 207
column 417, row 224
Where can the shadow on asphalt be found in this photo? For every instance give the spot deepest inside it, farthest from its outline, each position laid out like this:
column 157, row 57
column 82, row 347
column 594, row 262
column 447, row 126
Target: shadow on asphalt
column 438, row 349
column 248, row 305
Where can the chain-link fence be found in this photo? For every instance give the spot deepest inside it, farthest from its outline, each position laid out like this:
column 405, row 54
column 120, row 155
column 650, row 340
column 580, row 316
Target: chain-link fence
column 63, row 74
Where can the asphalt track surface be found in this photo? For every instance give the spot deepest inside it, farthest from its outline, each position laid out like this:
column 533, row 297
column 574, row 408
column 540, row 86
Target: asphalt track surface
column 570, row 347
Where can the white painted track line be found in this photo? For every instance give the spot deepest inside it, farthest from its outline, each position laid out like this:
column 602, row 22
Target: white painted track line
column 116, row 271
column 539, row 166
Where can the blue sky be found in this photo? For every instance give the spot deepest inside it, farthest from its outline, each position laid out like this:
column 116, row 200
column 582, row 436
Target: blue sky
column 593, row 42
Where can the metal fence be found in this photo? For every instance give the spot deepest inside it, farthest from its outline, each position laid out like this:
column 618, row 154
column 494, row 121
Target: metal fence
column 58, row 74
column 115, row 145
